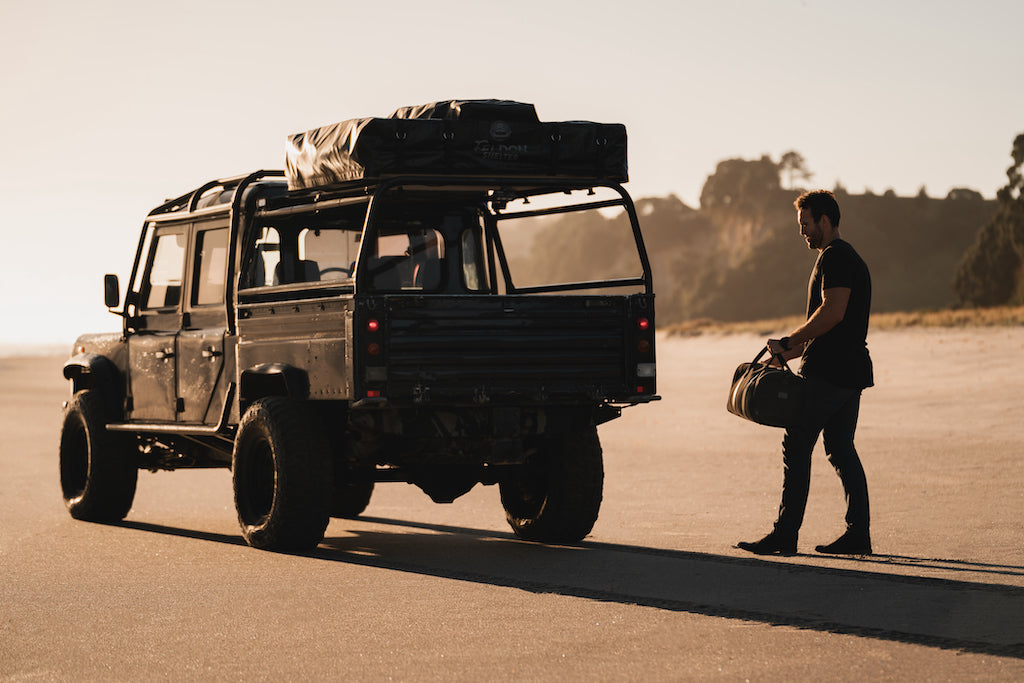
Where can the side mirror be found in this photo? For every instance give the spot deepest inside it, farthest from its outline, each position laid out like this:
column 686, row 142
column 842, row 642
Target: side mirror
column 111, row 291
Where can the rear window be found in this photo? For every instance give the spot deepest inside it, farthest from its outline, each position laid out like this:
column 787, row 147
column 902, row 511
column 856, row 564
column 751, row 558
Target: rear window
column 406, row 259
column 587, row 244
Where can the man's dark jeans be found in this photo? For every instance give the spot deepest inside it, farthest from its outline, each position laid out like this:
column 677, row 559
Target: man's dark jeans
column 831, row 410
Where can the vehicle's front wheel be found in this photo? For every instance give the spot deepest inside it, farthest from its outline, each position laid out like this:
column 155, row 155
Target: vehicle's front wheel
column 281, row 471
column 556, row 496
column 98, row 472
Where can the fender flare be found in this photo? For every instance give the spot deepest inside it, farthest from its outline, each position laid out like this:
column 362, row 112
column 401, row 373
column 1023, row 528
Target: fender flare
column 97, row 373
column 272, row 379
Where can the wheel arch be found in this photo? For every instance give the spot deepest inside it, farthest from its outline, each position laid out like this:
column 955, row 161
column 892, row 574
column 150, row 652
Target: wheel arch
column 98, row 373
column 272, row 379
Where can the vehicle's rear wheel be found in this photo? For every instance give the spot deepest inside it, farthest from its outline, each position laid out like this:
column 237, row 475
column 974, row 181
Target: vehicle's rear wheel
column 352, row 491
column 281, row 471
column 556, row 496
column 98, row 472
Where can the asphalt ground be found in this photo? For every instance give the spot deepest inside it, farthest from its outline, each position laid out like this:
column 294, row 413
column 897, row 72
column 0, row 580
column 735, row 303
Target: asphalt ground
column 419, row 591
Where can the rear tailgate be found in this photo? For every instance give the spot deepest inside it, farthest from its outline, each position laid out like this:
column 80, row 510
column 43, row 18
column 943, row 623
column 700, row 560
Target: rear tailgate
column 518, row 349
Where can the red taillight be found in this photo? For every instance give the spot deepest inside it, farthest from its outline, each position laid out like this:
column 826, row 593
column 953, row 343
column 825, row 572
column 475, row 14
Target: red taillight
column 373, row 393
column 643, row 346
column 372, row 325
column 373, row 348
column 643, row 323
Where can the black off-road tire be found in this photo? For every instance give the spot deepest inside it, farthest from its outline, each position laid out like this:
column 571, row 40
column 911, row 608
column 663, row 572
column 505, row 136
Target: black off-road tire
column 556, row 496
column 352, row 491
column 281, row 472
column 98, row 470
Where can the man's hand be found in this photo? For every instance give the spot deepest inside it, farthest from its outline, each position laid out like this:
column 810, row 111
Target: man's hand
column 776, row 348
column 782, row 351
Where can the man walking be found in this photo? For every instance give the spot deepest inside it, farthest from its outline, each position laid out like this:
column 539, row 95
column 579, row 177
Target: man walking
column 836, row 367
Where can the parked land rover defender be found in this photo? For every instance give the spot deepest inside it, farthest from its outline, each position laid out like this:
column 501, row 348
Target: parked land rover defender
column 376, row 313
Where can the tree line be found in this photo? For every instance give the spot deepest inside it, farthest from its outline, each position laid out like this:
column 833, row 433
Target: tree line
column 991, row 273
column 739, row 255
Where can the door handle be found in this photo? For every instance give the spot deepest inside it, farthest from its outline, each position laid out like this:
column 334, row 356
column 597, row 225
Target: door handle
column 166, row 354
column 211, row 353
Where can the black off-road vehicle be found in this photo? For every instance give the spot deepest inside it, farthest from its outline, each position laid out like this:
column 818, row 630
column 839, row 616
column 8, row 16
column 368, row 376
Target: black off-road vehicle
column 420, row 298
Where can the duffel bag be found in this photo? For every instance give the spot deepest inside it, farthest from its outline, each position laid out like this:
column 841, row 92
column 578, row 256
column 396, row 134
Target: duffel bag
column 766, row 395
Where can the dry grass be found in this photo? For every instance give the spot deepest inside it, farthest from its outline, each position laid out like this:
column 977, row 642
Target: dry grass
column 1002, row 316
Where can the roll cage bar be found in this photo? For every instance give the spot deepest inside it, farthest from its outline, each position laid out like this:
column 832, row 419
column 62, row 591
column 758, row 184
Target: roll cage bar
column 239, row 196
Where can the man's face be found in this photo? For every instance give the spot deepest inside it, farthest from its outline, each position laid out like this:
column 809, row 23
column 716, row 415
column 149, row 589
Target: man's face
column 811, row 230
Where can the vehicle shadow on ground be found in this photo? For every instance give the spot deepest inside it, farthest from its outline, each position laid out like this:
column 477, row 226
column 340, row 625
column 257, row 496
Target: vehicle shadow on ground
column 951, row 614
column 230, row 539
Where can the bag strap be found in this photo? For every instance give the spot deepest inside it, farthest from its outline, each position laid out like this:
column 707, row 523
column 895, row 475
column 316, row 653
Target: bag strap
column 782, row 361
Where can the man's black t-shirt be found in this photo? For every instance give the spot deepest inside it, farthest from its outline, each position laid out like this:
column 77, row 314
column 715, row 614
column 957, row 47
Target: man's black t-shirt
column 840, row 356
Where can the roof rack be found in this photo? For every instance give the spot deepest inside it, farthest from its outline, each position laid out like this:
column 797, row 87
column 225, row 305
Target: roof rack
column 213, row 193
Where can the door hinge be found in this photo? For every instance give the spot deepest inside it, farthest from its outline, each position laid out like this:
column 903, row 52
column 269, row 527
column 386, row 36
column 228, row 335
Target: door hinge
column 179, row 405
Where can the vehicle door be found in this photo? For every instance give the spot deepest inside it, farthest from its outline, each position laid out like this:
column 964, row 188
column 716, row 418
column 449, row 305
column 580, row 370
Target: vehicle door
column 202, row 386
column 152, row 346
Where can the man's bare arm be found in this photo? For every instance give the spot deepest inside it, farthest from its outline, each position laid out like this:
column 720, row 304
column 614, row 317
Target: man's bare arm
column 829, row 314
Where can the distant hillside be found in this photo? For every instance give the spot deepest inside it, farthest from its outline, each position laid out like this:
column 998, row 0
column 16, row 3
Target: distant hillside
column 912, row 246
column 740, row 257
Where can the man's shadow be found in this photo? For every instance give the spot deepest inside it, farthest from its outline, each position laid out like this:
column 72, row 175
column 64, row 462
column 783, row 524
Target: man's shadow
column 952, row 614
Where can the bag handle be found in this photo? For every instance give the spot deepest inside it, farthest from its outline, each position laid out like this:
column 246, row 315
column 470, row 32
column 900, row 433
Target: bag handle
column 778, row 356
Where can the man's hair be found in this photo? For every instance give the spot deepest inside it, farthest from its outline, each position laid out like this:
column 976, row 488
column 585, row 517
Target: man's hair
column 821, row 203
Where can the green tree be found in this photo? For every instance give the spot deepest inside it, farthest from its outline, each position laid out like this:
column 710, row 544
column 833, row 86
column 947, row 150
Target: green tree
column 987, row 273
column 794, row 167
column 964, row 194
column 740, row 184
column 991, row 272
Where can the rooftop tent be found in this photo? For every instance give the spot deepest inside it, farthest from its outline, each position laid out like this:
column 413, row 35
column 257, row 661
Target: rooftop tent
column 456, row 137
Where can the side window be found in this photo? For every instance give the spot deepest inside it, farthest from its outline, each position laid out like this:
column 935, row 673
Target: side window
column 266, row 254
column 133, row 300
column 210, row 267
column 163, row 287
column 331, row 251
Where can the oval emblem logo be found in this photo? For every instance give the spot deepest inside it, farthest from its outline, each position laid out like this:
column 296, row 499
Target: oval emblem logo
column 500, row 131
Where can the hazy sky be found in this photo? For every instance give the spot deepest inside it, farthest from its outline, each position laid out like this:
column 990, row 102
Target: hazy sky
column 109, row 107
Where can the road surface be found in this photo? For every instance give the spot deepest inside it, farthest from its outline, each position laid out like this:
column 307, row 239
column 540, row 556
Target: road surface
column 417, row 591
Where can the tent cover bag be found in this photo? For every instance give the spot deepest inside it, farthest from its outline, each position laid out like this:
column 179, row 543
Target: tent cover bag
column 458, row 138
column 766, row 395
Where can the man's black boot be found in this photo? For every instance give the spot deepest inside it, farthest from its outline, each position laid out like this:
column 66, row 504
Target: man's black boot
column 850, row 543
column 772, row 544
